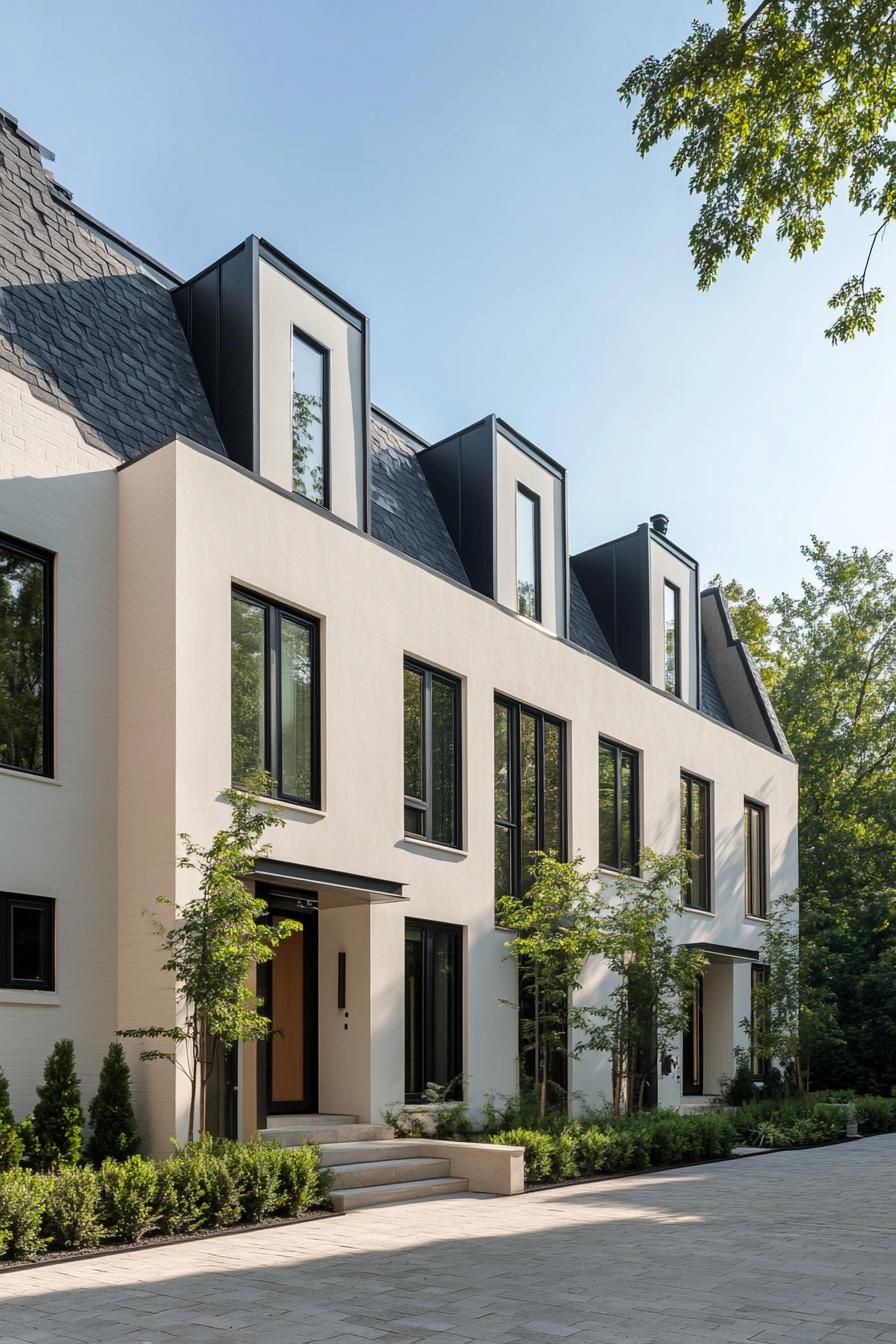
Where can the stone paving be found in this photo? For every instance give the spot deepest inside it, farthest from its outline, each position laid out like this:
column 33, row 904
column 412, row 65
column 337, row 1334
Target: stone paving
column 787, row 1248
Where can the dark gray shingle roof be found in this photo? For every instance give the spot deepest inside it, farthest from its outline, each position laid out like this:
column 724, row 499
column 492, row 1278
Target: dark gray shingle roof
column 405, row 514
column 583, row 627
column 713, row 704
column 89, row 329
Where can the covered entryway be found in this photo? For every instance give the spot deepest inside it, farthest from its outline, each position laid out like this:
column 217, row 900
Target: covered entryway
column 714, row 1023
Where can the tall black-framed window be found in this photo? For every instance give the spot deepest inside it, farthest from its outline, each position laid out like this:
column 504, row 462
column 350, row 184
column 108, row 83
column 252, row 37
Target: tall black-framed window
column 695, row 836
column 275, row 697
column 431, row 754
column 530, row 792
column 27, row 942
column 310, row 419
column 755, row 874
column 672, row 638
column 618, row 838
column 26, row 657
column 758, row 979
column 433, row 1008
column 528, row 554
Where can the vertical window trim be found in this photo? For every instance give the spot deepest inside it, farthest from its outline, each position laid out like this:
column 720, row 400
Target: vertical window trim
column 704, row 859
column 607, row 744
column 273, row 744
column 48, row 561
column 47, row 907
column 752, row 807
column 424, row 805
column 513, row 824
column 427, row 927
column 536, row 548
column 676, row 597
column 299, row 335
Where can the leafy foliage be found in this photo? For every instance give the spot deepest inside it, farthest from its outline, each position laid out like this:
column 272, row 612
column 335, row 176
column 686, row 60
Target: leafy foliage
column 772, row 113
column 72, row 1216
column 216, row 940
column 11, row 1145
column 129, row 1197
column 111, row 1113
column 23, row 1199
column 22, row 622
column 58, row 1118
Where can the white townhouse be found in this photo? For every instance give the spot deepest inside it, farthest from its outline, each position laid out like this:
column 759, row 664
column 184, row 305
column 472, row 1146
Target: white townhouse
column 216, row 555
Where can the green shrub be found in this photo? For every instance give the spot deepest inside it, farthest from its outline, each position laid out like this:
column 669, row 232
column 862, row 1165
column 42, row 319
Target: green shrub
column 23, row 1198
column 539, row 1156
column 668, row 1138
column 303, row 1185
column 72, row 1216
column 12, row 1146
column 714, row 1135
column 129, row 1197
column 199, row 1186
column 452, row 1121
column 256, row 1169
column 875, row 1115
column 111, row 1114
column 592, row 1152
column 740, row 1087
column 58, row 1118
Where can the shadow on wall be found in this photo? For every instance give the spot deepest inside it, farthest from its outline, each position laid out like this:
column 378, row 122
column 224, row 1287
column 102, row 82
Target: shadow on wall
column 110, row 352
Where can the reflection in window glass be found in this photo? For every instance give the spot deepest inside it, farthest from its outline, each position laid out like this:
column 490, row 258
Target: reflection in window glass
column 27, row 951
column 296, row 710
column 694, row 837
column 431, row 755
column 528, row 598
column 617, row 807
column 754, row 860
column 308, row 420
column 247, row 688
column 414, row 752
column 24, row 725
column 444, row 761
column 432, row 1008
column 529, row 793
column 671, row 615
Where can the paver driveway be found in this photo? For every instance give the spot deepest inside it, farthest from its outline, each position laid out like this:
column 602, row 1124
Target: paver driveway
column 782, row 1249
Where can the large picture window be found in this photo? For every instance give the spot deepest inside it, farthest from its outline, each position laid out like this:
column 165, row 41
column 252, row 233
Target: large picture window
column 274, row 697
column 618, row 807
column 26, row 662
column 672, row 639
column 695, row 837
column 754, row 860
column 530, row 805
column 432, row 1008
column 431, row 754
column 27, row 942
column 310, row 419
column 528, row 542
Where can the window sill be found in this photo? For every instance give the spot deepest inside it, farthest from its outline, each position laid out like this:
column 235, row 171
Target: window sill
column 305, row 809
column 756, row 919
column 46, row 997
column 7, row 772
column 606, row 871
column 695, row 910
column 418, row 842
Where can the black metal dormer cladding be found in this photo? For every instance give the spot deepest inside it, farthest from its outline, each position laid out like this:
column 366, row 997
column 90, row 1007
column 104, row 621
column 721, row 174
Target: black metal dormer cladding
column 224, row 316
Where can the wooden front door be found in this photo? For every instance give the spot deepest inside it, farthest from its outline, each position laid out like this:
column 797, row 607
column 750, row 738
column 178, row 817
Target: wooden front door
column 292, row 1008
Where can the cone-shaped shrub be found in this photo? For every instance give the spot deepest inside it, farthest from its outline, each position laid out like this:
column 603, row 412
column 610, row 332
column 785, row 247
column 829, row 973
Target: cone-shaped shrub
column 58, row 1118
column 112, row 1118
column 11, row 1145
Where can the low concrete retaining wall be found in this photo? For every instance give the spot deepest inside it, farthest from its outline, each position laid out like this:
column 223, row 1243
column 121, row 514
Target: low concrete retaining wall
column 491, row 1168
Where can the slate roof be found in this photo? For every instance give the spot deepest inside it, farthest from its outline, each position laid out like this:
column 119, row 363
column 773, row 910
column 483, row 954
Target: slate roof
column 87, row 327
column 713, row 704
column 583, row 627
column 405, row 515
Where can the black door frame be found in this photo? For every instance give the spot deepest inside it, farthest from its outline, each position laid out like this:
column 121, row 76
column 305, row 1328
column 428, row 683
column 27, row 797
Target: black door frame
column 691, row 1086
column 302, row 906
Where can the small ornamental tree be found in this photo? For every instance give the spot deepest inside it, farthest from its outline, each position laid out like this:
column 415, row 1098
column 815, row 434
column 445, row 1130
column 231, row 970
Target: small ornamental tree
column 58, row 1118
column 654, row 980
column 556, row 926
column 111, row 1114
column 216, row 940
column 11, row 1145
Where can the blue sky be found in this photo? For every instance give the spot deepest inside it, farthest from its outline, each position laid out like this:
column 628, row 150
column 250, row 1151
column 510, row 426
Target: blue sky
column 464, row 173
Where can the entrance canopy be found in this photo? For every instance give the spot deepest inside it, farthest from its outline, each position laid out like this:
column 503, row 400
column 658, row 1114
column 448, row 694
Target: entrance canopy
column 334, row 889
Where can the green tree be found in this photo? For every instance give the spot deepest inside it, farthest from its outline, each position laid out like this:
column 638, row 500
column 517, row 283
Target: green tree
column 773, row 112
column 22, row 619
column 217, row 939
column 11, row 1145
column 654, row 981
column 58, row 1118
column 113, row 1124
column 556, row 926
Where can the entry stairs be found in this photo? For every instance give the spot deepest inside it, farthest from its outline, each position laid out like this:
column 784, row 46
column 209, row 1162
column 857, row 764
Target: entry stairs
column 370, row 1165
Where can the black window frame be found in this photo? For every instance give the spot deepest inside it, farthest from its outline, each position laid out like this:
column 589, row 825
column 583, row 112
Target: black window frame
column 759, row 1064
column 703, row 859
column 751, row 807
column 46, row 905
column 676, row 593
column 48, row 560
column 421, row 805
column 620, row 750
column 273, row 743
column 299, row 335
column 536, row 544
column 512, row 824
column 428, row 927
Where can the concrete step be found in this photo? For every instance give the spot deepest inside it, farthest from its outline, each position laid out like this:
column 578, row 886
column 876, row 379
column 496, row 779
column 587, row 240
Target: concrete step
column 299, row 1119
column 401, row 1171
column 361, row 1197
column 378, row 1150
column 291, row 1136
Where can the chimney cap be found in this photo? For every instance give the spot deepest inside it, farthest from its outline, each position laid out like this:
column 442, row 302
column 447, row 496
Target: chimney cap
column 660, row 523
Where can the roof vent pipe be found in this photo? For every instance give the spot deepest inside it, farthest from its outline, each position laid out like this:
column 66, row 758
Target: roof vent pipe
column 660, row 523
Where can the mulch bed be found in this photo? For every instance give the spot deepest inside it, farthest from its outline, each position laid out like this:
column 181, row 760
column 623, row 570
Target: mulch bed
column 154, row 1239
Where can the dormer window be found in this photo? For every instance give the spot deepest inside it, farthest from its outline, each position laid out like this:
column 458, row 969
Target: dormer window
column 528, row 594
column 310, row 419
column 672, row 650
